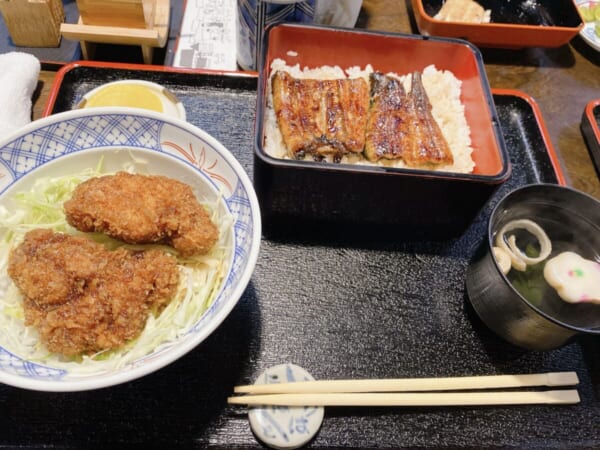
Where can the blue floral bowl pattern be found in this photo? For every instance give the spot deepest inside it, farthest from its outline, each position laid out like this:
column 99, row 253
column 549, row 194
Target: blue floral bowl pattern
column 82, row 132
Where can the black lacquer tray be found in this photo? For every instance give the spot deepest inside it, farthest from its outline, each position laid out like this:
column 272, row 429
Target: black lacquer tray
column 340, row 309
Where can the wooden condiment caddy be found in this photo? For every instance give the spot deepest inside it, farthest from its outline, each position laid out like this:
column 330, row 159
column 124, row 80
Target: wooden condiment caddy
column 127, row 22
column 33, row 23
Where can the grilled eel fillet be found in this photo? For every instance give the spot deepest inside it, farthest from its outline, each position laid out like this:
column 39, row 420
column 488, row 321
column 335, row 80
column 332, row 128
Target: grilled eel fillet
column 321, row 117
column 401, row 125
column 333, row 117
column 389, row 122
column 428, row 144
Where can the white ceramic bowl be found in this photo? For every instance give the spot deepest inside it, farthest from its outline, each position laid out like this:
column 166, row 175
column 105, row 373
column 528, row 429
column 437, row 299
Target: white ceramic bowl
column 68, row 142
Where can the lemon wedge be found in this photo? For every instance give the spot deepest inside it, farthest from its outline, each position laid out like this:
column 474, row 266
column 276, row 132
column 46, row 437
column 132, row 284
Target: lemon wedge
column 139, row 94
column 131, row 95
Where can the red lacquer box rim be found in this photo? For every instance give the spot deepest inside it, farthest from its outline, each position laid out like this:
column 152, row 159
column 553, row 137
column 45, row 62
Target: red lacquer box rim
column 319, row 45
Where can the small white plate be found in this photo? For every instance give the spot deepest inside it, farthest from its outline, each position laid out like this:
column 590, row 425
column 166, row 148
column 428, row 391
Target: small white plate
column 588, row 33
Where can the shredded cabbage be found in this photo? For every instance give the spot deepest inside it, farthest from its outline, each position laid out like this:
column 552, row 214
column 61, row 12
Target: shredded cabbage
column 42, row 207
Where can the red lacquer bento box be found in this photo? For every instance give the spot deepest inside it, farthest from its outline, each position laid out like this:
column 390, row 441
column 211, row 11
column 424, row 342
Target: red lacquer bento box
column 299, row 194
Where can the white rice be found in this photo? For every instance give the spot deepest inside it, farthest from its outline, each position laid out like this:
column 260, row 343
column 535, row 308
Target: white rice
column 443, row 90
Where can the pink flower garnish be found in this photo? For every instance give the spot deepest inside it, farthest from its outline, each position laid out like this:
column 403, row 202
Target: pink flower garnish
column 576, row 273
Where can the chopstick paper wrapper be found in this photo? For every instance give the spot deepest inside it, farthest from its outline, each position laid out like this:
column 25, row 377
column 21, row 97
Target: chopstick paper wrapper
column 400, row 392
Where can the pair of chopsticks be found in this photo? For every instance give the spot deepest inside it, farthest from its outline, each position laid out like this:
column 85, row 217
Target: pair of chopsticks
column 412, row 391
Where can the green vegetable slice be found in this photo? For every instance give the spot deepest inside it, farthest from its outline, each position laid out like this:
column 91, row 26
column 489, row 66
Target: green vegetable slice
column 586, row 14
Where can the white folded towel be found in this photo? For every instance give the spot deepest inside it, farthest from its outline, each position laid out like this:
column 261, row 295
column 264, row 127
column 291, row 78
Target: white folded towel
column 18, row 78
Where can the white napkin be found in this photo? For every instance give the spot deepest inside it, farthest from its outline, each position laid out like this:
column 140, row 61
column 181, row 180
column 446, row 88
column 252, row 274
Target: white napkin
column 18, row 78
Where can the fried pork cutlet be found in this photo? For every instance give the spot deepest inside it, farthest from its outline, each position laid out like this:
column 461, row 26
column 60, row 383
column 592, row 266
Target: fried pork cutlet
column 83, row 298
column 142, row 209
column 321, row 117
column 401, row 125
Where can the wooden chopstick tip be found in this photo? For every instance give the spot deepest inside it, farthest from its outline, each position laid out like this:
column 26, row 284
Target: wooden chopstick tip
column 567, row 397
column 242, row 389
column 562, row 378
